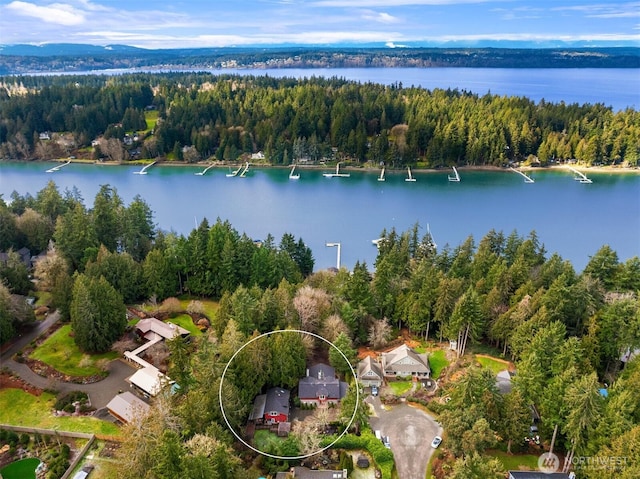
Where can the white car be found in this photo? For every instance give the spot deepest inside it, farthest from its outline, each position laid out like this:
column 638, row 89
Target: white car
column 436, row 442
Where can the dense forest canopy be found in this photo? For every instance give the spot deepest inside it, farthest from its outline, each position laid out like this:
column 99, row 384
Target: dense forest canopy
column 566, row 332
column 74, row 57
column 202, row 116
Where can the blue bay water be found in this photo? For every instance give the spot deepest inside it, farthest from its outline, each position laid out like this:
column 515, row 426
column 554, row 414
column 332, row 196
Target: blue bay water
column 570, row 218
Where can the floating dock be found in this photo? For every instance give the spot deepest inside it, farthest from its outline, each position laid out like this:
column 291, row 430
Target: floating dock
column 381, row 177
column 244, row 172
column 234, row 172
column 292, row 176
column 337, row 174
column 456, row 176
column 410, row 176
column 527, row 179
column 143, row 171
column 581, row 177
column 202, row 173
column 56, row 168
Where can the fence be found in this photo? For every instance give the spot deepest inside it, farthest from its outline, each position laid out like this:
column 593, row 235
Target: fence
column 53, row 432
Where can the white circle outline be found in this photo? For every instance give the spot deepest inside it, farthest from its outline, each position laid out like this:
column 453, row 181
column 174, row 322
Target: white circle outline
column 224, row 415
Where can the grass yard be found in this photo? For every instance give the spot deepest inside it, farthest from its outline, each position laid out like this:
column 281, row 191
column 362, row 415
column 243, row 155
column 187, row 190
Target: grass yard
column 61, row 353
column 496, row 365
column 185, row 321
column 400, row 387
column 19, row 408
column 263, row 439
column 151, row 117
column 515, row 462
column 210, row 306
column 43, row 298
column 437, row 362
column 23, row 469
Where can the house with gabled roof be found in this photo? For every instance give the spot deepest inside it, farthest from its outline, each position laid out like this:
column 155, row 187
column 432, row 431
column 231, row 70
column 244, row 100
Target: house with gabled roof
column 305, row 473
column 152, row 328
column 272, row 407
column 321, row 386
column 405, row 362
column 126, row 406
column 370, row 372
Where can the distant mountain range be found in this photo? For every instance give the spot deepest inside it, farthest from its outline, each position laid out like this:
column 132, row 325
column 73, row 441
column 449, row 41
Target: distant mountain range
column 71, row 57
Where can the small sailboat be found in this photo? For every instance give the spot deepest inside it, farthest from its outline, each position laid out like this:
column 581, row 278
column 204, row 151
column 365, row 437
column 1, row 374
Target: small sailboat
column 381, row 177
column 409, row 177
column 337, row 174
column 456, row 176
column 293, row 176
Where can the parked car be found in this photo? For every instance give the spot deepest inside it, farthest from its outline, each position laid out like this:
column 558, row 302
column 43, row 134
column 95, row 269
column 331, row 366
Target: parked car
column 374, row 390
column 436, row 442
column 386, row 442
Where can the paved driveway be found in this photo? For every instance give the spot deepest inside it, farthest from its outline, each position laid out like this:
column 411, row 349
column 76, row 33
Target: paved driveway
column 410, row 432
column 100, row 393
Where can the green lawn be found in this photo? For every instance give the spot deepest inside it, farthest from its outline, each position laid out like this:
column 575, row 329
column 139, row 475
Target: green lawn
column 263, row 439
column 437, row 362
column 151, row 116
column 210, row 306
column 19, row 408
column 43, row 298
column 185, row 321
column 23, row 469
column 400, row 387
column 496, row 365
column 61, row 353
column 515, row 462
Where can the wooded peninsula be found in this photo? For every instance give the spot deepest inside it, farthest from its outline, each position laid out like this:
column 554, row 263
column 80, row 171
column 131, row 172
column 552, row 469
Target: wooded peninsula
column 194, row 117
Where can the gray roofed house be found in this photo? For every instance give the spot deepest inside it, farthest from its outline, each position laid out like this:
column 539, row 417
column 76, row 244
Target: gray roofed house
column 272, row 407
column 151, row 328
column 126, row 406
column 321, row 386
column 370, row 372
column 405, row 362
column 305, row 473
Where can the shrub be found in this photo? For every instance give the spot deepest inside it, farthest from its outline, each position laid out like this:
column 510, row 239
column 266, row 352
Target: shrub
column 171, row 306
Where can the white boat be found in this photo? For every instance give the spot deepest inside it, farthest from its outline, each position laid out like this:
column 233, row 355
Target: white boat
column 244, row 172
column 456, row 176
column 292, row 176
column 337, row 174
column 143, row 171
column 409, row 177
column 381, row 177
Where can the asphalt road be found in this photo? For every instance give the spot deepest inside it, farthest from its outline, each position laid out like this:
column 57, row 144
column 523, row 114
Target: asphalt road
column 410, row 432
column 100, row 393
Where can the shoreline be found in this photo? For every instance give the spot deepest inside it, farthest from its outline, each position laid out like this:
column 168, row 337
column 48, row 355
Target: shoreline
column 365, row 168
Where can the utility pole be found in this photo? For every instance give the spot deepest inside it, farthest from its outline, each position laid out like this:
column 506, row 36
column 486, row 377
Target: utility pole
column 338, row 245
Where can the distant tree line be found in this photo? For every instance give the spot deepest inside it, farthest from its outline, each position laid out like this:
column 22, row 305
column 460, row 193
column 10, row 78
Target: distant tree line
column 222, row 117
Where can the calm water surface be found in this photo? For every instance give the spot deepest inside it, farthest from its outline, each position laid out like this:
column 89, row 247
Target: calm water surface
column 570, row 218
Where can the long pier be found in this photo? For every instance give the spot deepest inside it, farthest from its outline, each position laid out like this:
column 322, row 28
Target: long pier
column 144, row 169
column 202, row 173
column 527, row 179
column 381, row 177
column 244, row 172
column 456, row 176
column 337, row 174
column 56, row 168
column 581, row 177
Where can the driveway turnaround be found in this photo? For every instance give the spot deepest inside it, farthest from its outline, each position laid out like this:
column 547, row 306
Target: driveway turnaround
column 100, row 393
column 410, row 431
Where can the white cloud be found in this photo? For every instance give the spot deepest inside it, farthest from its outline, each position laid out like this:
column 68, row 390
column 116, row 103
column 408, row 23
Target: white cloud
column 615, row 10
column 380, row 17
column 58, row 13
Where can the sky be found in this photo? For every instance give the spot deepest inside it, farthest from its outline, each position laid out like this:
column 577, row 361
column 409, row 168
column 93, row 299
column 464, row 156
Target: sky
column 395, row 23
